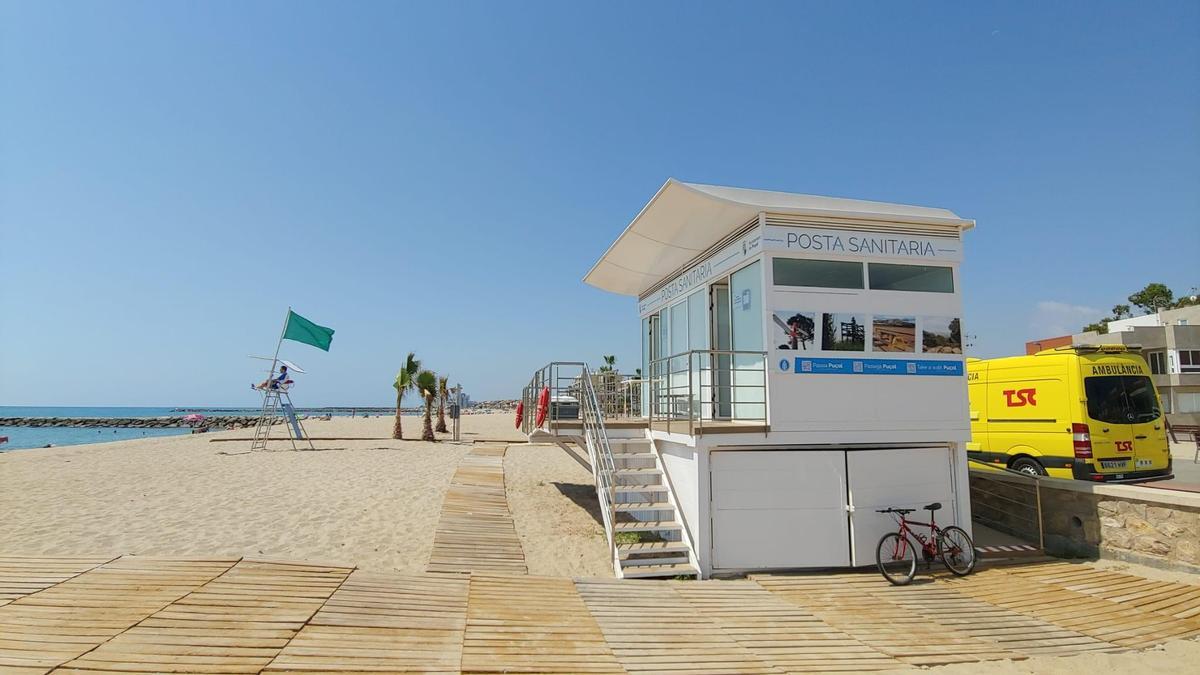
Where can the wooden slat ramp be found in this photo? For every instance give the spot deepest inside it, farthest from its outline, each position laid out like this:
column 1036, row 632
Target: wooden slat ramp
column 532, row 625
column 236, row 623
column 476, row 531
column 781, row 633
column 1120, row 623
column 651, row 628
column 20, row 576
column 859, row 605
column 50, row 627
column 1181, row 601
column 157, row 615
column 389, row 623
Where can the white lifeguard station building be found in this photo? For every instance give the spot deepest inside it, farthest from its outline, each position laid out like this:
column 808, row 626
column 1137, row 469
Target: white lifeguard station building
column 802, row 367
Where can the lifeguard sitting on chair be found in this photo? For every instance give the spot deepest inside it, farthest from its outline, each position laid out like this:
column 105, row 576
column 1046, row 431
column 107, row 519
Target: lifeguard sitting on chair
column 281, row 381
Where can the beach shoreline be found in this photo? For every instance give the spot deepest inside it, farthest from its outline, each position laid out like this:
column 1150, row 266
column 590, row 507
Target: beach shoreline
column 365, row 498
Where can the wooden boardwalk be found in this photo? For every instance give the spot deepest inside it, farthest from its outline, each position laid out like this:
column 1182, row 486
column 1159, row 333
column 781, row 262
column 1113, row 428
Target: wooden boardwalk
column 476, row 531
column 150, row 615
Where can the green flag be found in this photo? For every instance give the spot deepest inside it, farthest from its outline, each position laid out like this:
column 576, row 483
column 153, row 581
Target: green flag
column 301, row 329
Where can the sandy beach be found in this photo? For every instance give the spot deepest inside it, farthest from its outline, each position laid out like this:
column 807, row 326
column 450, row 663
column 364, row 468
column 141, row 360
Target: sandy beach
column 363, row 499
column 374, row 502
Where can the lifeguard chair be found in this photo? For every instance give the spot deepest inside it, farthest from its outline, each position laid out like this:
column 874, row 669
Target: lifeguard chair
column 277, row 404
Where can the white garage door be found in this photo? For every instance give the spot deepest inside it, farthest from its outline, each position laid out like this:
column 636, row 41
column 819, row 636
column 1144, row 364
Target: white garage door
column 904, row 478
column 779, row 509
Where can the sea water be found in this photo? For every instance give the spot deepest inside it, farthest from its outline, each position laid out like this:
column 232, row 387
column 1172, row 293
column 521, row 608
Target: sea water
column 39, row 437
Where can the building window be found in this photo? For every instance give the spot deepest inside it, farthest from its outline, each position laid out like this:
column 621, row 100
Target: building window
column 1189, row 402
column 1189, row 360
column 1158, row 362
column 921, row 278
column 817, row 273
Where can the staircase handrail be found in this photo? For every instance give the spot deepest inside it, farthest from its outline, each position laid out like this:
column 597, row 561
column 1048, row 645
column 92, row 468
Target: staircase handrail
column 603, row 465
column 595, row 435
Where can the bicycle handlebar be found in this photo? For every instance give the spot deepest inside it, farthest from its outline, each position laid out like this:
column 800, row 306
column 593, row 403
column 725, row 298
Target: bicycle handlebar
column 894, row 510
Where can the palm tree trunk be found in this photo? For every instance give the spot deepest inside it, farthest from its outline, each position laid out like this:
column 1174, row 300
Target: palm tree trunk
column 427, row 431
column 397, row 432
column 441, row 425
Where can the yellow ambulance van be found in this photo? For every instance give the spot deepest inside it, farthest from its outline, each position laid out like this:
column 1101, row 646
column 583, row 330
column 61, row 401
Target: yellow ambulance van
column 1089, row 412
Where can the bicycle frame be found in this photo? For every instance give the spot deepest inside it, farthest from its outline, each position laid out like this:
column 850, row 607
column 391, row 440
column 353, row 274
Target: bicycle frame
column 928, row 546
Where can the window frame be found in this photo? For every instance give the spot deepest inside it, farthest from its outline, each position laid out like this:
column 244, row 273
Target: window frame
column 862, row 273
column 948, row 268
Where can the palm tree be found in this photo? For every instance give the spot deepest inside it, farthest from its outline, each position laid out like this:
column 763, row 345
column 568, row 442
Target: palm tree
column 610, row 363
column 426, row 384
column 443, row 394
column 405, row 382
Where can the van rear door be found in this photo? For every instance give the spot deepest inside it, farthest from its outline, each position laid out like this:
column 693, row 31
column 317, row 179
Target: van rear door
column 1123, row 415
column 1151, row 452
column 1110, row 423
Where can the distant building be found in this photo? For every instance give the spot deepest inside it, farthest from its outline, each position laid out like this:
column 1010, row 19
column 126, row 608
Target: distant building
column 1170, row 341
column 1048, row 343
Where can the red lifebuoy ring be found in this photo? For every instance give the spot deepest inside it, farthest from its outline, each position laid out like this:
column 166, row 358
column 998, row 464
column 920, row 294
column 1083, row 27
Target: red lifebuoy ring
column 520, row 413
column 543, row 406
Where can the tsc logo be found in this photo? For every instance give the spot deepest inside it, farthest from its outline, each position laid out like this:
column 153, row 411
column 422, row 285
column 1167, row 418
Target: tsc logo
column 1018, row 398
column 1124, row 446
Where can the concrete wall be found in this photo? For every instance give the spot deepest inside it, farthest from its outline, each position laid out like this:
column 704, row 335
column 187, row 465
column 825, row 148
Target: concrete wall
column 1160, row 528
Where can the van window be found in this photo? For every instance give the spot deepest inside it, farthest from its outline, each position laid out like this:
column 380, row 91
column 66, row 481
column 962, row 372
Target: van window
column 817, row 273
column 1121, row 399
column 922, row 278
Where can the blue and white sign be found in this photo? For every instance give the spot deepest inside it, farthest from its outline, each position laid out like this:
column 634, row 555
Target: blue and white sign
column 805, row 366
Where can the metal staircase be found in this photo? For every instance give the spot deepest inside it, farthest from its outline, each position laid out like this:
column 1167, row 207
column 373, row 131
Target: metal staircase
column 645, row 535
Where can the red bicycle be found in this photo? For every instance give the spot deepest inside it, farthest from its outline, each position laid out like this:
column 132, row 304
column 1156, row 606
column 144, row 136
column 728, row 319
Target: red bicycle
column 896, row 554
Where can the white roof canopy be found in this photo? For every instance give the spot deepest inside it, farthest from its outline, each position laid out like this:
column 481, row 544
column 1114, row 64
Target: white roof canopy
column 685, row 219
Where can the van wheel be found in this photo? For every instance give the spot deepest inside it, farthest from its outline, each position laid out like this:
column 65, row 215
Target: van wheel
column 1027, row 466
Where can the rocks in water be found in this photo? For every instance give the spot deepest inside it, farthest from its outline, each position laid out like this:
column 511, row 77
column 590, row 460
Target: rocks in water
column 232, row 421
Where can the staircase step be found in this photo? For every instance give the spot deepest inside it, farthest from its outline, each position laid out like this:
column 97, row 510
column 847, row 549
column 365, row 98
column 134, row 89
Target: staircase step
column 648, row 526
column 642, row 506
column 647, row 562
column 628, row 446
column 658, row 571
column 639, row 488
column 638, row 472
column 649, row 547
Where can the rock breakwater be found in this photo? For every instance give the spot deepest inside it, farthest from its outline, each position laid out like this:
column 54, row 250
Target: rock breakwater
column 213, row 421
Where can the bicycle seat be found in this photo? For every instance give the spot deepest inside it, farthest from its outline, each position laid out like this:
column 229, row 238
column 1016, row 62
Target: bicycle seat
column 933, row 507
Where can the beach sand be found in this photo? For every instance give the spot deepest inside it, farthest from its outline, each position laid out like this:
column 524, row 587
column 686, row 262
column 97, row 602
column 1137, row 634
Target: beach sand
column 554, row 506
column 370, row 501
column 375, row 503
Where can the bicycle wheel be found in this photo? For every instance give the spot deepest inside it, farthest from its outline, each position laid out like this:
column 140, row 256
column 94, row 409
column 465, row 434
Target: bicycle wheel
column 897, row 559
column 957, row 550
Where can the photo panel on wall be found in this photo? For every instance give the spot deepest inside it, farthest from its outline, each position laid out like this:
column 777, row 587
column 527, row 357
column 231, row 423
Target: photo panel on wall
column 894, row 334
column 843, row 332
column 941, row 335
column 794, row 330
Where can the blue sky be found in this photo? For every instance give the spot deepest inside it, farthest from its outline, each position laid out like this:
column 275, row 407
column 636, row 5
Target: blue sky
column 439, row 177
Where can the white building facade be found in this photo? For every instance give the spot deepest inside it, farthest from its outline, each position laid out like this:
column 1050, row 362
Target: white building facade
column 803, row 367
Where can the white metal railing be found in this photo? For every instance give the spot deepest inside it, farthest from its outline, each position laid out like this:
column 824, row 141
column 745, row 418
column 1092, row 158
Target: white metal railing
column 572, row 396
column 702, row 386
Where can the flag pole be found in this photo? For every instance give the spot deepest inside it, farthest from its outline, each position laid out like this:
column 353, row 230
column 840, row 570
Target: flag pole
column 275, row 359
